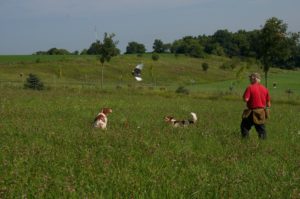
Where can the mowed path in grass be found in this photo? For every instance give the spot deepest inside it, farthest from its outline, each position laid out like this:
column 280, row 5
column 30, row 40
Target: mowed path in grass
column 49, row 148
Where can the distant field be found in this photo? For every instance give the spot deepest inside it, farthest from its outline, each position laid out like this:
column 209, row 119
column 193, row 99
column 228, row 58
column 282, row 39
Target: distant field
column 36, row 58
column 168, row 72
column 48, row 148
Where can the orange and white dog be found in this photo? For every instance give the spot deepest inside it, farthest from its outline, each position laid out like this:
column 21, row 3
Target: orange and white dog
column 177, row 123
column 101, row 119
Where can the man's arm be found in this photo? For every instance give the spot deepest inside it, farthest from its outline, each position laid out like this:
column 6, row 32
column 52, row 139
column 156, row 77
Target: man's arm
column 269, row 103
column 246, row 95
column 268, row 100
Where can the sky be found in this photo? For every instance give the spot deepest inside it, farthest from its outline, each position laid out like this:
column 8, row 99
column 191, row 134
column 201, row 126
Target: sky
column 28, row 26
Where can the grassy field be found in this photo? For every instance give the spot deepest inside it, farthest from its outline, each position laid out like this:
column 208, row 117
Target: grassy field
column 48, row 148
column 168, row 72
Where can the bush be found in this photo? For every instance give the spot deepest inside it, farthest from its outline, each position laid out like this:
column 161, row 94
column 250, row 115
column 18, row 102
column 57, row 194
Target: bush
column 182, row 90
column 118, row 87
column 33, row 82
column 155, row 56
column 230, row 65
column 289, row 91
column 205, row 66
column 38, row 60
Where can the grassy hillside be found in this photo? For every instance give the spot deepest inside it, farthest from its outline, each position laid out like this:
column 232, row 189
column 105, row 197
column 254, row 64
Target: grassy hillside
column 168, row 72
column 48, row 148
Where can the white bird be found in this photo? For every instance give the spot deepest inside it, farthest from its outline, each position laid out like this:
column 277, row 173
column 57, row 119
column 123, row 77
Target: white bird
column 137, row 72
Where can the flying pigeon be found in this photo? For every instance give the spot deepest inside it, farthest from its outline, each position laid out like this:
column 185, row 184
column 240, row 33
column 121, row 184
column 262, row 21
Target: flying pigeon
column 137, row 71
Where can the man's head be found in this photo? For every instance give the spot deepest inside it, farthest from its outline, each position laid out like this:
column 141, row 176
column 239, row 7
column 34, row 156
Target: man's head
column 254, row 77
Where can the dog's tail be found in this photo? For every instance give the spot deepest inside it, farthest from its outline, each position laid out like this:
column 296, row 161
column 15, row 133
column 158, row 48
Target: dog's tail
column 194, row 117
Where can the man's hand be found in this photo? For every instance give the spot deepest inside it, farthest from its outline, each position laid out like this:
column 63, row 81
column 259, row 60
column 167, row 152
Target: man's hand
column 246, row 99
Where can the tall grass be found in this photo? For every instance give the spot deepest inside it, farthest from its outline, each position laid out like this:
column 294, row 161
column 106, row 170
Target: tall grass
column 50, row 150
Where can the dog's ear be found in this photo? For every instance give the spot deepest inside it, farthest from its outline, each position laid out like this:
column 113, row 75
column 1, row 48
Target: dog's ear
column 168, row 118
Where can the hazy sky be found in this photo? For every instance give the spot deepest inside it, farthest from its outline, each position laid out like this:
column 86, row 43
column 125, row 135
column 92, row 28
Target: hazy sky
column 28, row 26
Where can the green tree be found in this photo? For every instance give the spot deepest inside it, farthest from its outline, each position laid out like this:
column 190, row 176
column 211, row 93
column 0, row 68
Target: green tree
column 134, row 47
column 225, row 39
column 158, row 46
column 195, row 49
column 272, row 44
column 253, row 37
column 242, row 42
column 94, row 48
column 189, row 46
column 33, row 82
column 108, row 49
column 56, row 51
column 294, row 48
column 214, row 48
column 84, row 52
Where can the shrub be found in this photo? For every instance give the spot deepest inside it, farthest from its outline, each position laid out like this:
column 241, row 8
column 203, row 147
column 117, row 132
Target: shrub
column 182, row 90
column 289, row 91
column 118, row 87
column 33, row 82
column 230, row 65
column 155, row 56
column 205, row 66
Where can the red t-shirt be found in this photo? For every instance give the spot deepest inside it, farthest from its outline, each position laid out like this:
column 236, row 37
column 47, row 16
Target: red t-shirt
column 258, row 96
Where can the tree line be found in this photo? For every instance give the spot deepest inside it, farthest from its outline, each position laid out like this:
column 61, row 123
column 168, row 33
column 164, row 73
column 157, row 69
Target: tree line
column 271, row 44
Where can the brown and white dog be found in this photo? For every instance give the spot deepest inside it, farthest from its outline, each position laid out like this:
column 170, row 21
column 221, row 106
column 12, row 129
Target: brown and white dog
column 177, row 123
column 101, row 119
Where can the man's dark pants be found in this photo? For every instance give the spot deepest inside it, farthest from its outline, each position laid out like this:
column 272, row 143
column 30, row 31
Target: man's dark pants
column 246, row 125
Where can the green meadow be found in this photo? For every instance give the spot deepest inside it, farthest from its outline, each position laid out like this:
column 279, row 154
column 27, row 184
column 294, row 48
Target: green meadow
column 49, row 149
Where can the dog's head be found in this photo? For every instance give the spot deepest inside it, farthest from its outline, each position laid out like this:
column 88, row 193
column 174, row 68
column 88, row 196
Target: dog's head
column 168, row 118
column 106, row 111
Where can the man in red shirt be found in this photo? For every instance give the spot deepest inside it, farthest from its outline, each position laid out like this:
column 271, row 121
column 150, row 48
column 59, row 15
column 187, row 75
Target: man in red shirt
column 258, row 102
